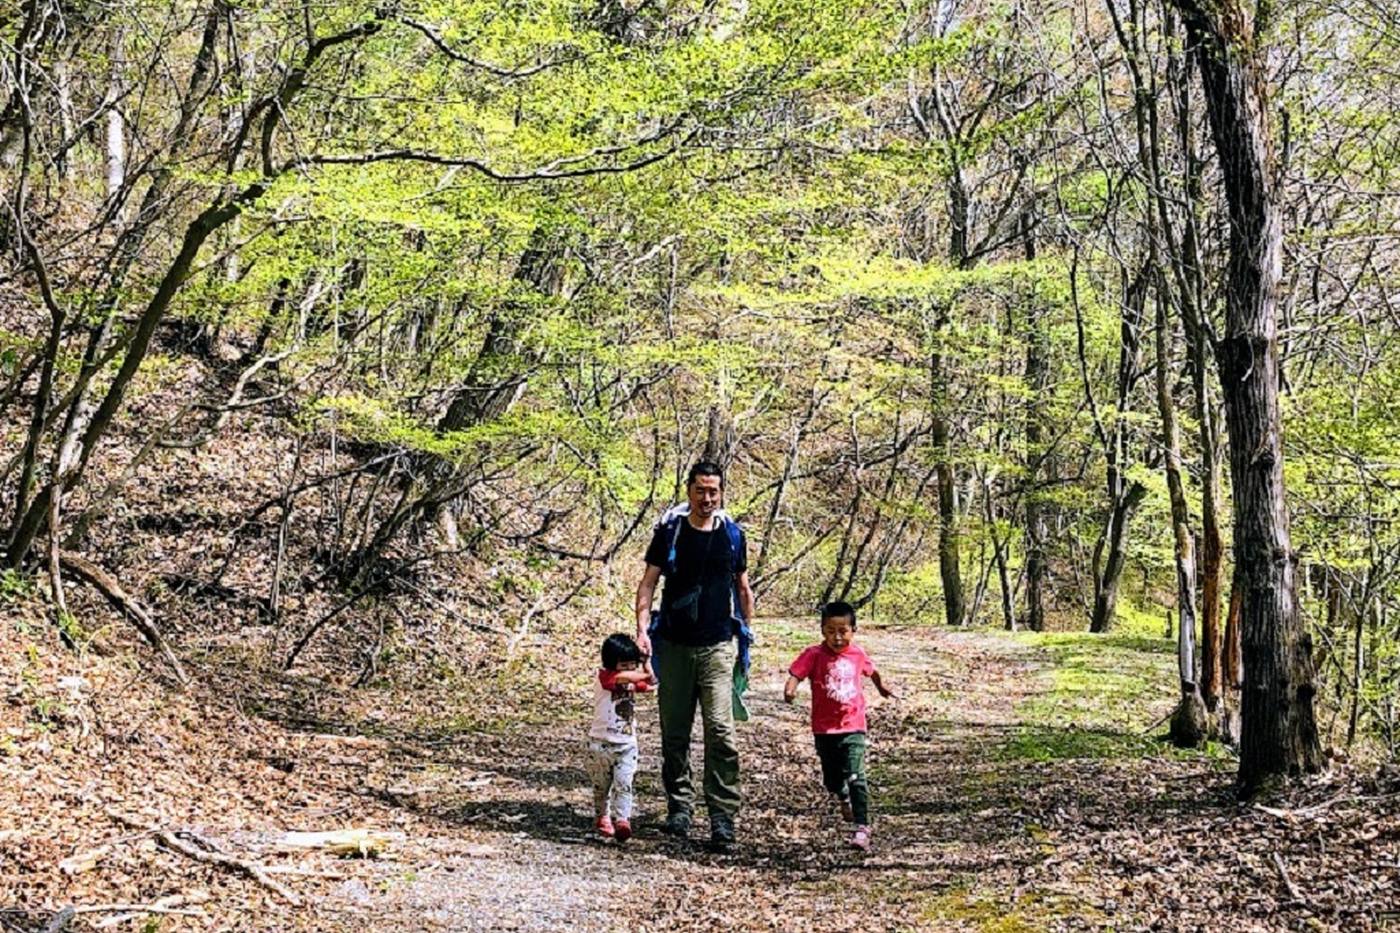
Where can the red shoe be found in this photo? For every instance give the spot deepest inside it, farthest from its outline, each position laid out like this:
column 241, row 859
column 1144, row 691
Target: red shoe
column 605, row 826
column 860, row 839
column 623, row 829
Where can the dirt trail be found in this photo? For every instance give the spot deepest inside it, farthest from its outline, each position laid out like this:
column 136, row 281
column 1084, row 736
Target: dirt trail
column 525, row 860
column 989, row 815
column 1002, row 801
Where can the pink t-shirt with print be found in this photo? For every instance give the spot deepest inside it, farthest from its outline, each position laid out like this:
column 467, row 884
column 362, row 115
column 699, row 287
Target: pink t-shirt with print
column 838, row 702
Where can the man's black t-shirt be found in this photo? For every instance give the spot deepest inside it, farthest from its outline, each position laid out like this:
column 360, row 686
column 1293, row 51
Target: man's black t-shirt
column 695, row 600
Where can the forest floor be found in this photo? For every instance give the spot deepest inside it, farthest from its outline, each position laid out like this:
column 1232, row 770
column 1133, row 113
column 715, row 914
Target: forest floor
column 1018, row 785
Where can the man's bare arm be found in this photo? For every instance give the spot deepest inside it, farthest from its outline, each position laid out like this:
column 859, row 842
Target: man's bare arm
column 745, row 594
column 646, row 591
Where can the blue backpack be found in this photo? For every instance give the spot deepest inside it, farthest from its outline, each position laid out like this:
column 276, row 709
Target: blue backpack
column 671, row 524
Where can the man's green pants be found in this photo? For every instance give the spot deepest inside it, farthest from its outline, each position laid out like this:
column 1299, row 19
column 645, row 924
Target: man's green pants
column 703, row 676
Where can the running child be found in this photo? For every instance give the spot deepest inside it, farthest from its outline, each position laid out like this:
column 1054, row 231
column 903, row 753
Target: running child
column 835, row 668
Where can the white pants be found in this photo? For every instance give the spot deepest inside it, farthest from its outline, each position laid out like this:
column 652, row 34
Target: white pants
column 611, row 766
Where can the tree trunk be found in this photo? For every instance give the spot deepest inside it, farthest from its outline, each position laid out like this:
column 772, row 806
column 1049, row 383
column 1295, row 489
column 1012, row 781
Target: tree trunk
column 948, row 544
column 999, row 548
column 1212, row 549
column 1190, row 284
column 494, row 384
column 1124, row 496
column 1188, row 724
column 31, row 523
column 1038, row 384
column 799, row 431
column 1358, row 664
column 1278, row 729
column 720, row 438
column 1231, row 665
column 116, row 125
column 1115, row 541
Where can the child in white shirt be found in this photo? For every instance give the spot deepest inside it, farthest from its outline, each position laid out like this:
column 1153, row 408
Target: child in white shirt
column 612, row 738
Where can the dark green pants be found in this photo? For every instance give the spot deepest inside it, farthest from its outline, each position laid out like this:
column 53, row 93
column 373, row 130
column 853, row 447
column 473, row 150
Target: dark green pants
column 843, row 770
column 701, row 677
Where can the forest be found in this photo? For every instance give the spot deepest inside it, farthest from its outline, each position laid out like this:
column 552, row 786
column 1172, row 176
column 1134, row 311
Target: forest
column 350, row 353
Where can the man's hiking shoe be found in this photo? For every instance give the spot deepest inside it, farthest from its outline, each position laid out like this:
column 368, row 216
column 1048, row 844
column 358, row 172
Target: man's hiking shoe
column 622, row 830
column 721, row 832
column 677, row 824
column 860, row 839
column 605, row 826
column 847, row 813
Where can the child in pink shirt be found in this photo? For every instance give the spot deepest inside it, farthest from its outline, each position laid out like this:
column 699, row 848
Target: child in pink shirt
column 835, row 668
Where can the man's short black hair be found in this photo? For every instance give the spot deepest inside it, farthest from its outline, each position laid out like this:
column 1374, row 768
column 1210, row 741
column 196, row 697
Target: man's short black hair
column 618, row 648
column 705, row 468
column 839, row 610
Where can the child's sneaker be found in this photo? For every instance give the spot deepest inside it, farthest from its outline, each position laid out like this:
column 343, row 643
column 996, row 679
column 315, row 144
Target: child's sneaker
column 623, row 830
column 605, row 826
column 860, row 839
column 847, row 813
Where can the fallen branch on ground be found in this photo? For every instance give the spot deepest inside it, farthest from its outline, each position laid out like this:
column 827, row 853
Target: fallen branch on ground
column 127, row 605
column 1282, row 870
column 176, row 904
column 1303, row 812
column 84, row 861
column 361, row 842
column 253, row 870
column 304, row 872
column 1164, row 718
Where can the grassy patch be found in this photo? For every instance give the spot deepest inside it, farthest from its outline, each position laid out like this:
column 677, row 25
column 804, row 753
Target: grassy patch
column 1027, row 913
column 1098, row 693
column 1032, row 743
column 1101, row 682
column 15, row 586
column 783, row 639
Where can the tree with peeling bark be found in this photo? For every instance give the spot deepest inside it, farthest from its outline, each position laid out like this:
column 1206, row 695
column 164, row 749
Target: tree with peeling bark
column 1279, row 735
column 1188, row 723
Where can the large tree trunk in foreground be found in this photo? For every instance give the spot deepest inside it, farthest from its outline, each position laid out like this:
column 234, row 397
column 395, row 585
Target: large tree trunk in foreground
column 1278, row 729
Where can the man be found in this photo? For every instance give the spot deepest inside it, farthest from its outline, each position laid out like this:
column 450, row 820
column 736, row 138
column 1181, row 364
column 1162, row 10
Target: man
column 702, row 554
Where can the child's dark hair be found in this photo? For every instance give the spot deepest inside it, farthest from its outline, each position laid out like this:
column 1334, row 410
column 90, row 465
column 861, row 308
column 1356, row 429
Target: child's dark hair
column 618, row 648
column 839, row 610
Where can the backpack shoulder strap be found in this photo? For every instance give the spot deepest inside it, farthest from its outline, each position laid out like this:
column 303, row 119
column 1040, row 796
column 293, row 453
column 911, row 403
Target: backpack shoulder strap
column 736, row 544
column 736, row 541
column 675, row 524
